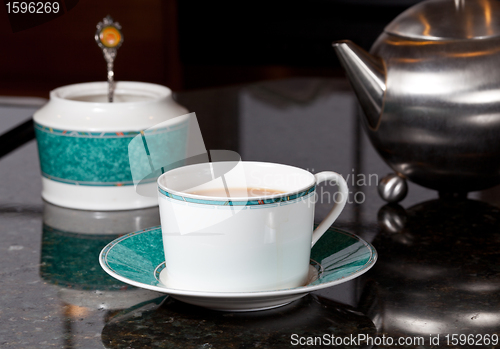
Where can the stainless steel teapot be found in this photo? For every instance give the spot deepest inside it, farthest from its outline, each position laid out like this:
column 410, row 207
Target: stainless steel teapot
column 430, row 92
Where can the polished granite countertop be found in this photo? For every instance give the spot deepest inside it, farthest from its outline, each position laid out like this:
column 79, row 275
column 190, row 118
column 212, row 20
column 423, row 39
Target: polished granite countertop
column 438, row 271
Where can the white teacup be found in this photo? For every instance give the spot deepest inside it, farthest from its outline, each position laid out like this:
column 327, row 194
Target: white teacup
column 232, row 243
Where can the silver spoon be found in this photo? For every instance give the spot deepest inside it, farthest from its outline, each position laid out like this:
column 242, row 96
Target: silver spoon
column 109, row 38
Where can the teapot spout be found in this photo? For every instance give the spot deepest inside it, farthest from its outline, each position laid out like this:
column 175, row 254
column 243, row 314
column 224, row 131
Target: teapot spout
column 367, row 75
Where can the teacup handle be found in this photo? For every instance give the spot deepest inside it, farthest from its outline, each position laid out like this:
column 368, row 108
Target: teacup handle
column 337, row 208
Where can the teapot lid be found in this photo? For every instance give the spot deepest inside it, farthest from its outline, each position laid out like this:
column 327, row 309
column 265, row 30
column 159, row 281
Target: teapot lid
column 448, row 20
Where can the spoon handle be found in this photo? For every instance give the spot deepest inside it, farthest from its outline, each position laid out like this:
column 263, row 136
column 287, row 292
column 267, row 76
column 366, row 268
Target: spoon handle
column 109, row 56
column 109, row 38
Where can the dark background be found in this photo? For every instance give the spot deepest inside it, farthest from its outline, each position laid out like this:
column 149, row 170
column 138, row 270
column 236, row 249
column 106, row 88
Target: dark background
column 188, row 44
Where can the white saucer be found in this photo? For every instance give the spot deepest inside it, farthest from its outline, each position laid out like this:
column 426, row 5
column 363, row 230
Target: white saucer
column 138, row 259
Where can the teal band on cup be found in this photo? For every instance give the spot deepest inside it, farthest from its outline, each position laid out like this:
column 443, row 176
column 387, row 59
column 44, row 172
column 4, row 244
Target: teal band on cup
column 236, row 202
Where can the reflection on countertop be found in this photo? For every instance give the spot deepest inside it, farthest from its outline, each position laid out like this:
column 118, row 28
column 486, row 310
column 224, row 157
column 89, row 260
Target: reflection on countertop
column 167, row 323
column 71, row 243
column 438, row 271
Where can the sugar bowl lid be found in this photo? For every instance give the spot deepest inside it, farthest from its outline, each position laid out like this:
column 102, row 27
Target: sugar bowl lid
column 448, row 20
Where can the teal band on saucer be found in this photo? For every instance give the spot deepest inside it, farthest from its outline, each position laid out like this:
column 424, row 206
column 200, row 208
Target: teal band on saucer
column 235, row 202
column 103, row 158
column 138, row 257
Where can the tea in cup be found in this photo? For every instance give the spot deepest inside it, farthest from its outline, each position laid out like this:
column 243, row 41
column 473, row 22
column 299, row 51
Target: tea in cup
column 240, row 226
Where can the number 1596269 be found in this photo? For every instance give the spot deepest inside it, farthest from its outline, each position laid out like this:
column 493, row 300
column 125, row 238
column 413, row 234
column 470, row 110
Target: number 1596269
column 32, row 7
column 471, row 339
